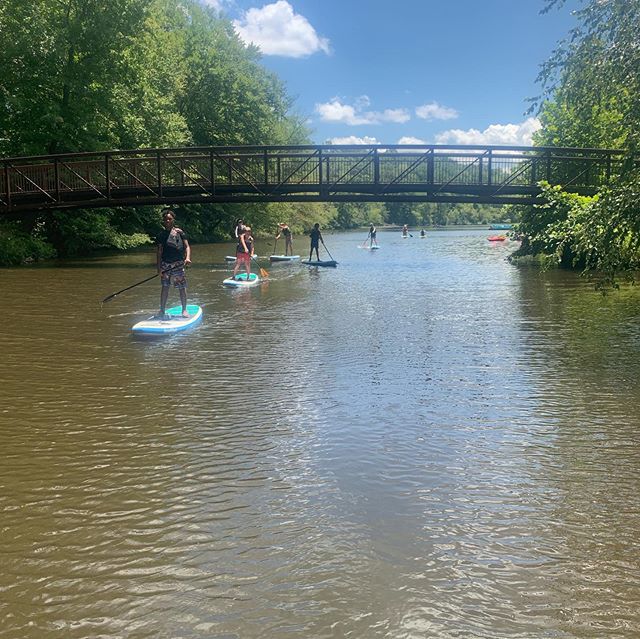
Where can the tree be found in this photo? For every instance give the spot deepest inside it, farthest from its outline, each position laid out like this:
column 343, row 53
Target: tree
column 591, row 81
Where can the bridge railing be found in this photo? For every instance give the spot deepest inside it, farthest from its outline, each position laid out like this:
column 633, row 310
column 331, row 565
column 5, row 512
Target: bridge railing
column 420, row 172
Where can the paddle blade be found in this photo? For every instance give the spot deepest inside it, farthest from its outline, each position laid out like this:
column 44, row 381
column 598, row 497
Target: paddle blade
column 264, row 273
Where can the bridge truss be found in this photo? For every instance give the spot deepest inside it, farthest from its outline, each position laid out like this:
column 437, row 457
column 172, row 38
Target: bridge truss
column 329, row 173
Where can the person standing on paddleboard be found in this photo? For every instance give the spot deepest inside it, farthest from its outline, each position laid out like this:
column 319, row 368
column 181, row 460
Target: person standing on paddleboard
column 173, row 254
column 373, row 231
column 244, row 252
column 316, row 238
column 283, row 229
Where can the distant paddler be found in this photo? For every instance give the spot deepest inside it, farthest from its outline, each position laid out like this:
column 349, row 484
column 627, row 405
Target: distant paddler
column 244, row 251
column 373, row 231
column 316, row 238
column 285, row 231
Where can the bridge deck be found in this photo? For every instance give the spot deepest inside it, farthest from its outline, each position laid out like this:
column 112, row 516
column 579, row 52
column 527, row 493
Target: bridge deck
column 431, row 173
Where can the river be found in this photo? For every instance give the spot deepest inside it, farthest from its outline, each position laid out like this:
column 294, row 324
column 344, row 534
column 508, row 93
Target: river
column 423, row 442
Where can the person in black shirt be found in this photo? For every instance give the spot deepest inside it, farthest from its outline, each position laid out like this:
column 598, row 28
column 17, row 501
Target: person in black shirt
column 244, row 252
column 173, row 254
column 316, row 238
column 373, row 231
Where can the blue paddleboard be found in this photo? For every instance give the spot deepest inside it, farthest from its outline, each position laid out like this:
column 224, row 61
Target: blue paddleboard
column 241, row 281
column 171, row 323
column 320, row 263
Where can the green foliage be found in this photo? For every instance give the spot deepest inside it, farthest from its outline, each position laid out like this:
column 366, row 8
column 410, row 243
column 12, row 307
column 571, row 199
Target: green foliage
column 19, row 247
column 592, row 79
column 553, row 228
column 610, row 238
column 81, row 75
column 80, row 232
column 590, row 88
column 351, row 215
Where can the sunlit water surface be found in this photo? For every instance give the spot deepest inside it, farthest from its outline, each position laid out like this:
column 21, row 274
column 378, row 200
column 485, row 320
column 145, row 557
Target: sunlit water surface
column 424, row 442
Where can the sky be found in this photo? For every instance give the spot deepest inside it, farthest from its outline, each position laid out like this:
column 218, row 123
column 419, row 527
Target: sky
column 406, row 71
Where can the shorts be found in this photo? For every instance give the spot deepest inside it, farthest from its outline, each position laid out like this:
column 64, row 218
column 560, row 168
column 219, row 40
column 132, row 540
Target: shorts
column 314, row 245
column 173, row 270
column 243, row 258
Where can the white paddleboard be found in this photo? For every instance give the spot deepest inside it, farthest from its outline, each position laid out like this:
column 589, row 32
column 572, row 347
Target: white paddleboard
column 232, row 258
column 283, row 258
column 241, row 281
column 171, row 323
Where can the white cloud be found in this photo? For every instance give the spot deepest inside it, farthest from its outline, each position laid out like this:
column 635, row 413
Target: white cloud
column 395, row 115
column 508, row 134
column 407, row 139
column 277, row 30
column 352, row 139
column 335, row 111
column 353, row 115
column 435, row 111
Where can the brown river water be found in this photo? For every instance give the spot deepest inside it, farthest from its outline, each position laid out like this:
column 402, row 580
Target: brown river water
column 424, row 442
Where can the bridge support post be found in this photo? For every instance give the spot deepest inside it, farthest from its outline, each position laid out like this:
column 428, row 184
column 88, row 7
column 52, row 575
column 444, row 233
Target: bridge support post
column 56, row 177
column 212, row 174
column 265, row 167
column 107, row 175
column 431, row 159
column 490, row 168
column 7, row 183
column 159, row 170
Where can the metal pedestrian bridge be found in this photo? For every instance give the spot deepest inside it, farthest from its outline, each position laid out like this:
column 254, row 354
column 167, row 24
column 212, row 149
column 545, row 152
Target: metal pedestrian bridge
column 327, row 173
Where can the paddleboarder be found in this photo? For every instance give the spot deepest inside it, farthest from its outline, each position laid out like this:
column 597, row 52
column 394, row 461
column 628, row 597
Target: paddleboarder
column 422, row 233
column 405, row 231
column 172, row 256
column 244, row 252
column 283, row 229
column 372, row 234
column 316, row 238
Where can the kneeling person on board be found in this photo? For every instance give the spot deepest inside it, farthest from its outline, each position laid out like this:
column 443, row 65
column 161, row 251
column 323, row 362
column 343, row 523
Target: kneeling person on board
column 173, row 254
column 244, row 252
column 316, row 238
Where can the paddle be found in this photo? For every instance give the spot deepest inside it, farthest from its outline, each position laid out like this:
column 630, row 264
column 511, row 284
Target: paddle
column 110, row 297
column 263, row 272
column 363, row 245
column 327, row 250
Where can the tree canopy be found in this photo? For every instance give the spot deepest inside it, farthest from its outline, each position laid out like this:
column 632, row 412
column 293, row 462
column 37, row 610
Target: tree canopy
column 590, row 87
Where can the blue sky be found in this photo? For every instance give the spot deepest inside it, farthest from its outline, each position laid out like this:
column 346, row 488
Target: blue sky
column 409, row 71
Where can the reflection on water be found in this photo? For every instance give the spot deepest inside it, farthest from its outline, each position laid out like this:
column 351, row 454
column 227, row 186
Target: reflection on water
column 424, row 442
